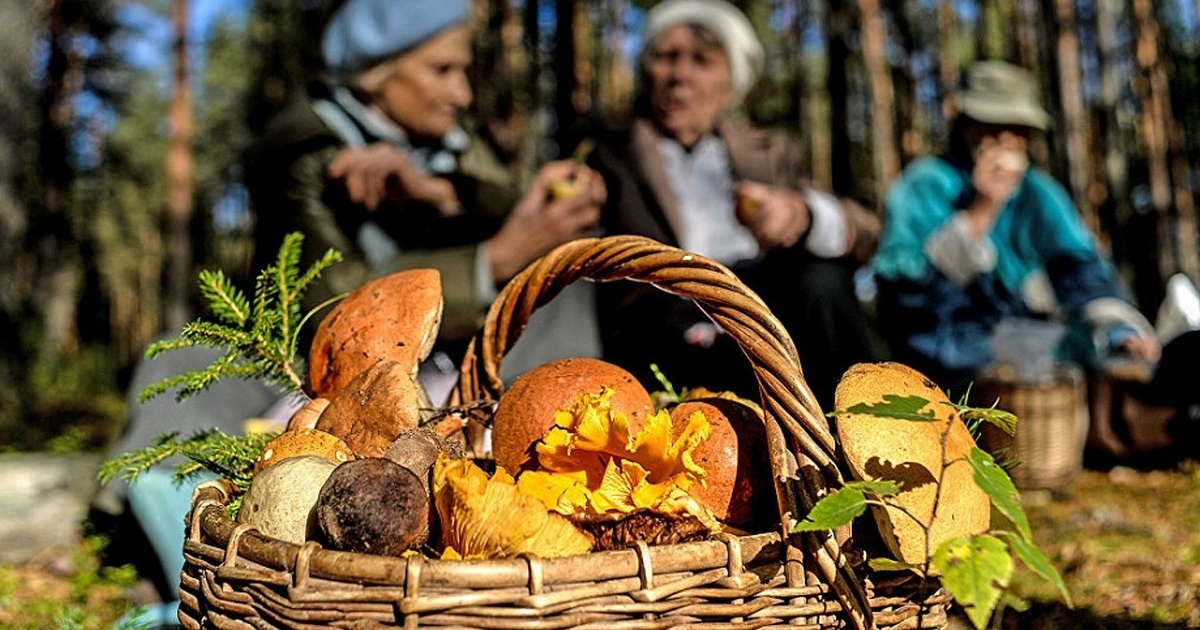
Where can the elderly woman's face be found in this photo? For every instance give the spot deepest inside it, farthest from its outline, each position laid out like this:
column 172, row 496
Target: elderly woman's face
column 427, row 88
column 689, row 82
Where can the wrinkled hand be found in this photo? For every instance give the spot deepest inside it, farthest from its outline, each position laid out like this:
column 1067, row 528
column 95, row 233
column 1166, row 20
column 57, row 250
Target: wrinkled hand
column 381, row 171
column 540, row 222
column 1144, row 347
column 777, row 217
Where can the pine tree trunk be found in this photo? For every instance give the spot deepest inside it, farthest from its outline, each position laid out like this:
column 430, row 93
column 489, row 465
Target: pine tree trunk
column 1075, row 116
column 19, row 22
column 874, row 46
column 948, row 66
column 838, row 33
column 1027, row 39
column 57, row 277
column 909, row 116
column 1112, row 200
column 180, row 276
column 565, row 65
column 1150, row 83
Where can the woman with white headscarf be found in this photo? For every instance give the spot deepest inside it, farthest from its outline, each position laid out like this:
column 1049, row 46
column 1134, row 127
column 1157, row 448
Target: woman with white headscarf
column 685, row 172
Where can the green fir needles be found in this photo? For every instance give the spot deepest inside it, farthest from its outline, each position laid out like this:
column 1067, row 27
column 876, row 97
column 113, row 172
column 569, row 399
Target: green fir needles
column 260, row 338
column 228, row 456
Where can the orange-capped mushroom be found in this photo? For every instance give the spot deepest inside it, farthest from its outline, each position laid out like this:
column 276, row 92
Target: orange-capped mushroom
column 303, row 442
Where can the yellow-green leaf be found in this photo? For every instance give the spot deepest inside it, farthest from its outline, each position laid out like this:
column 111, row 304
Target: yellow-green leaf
column 975, row 570
column 999, row 487
column 1038, row 563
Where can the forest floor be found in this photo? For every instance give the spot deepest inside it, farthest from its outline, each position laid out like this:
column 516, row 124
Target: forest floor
column 1125, row 541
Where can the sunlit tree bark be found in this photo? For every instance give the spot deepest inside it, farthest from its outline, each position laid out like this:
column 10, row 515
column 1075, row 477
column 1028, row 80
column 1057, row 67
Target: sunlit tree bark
column 180, row 276
column 874, row 44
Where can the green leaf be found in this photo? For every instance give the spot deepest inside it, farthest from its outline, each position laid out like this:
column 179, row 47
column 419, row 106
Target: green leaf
column 834, row 510
column 999, row 487
column 889, row 564
column 844, row 505
column 1005, row 420
column 1033, row 558
column 879, row 487
column 975, row 570
column 894, row 406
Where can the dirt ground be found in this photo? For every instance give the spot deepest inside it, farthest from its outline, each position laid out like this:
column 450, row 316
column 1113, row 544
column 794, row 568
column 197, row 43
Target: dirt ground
column 1127, row 545
column 1125, row 541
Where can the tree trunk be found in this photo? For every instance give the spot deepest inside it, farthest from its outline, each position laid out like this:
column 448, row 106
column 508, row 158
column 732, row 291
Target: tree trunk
column 1075, row 116
column 19, row 22
column 180, row 276
column 614, row 72
column 874, row 46
column 1112, row 199
column 1027, row 38
column 566, row 70
column 948, row 66
column 1151, row 84
column 838, row 33
column 913, row 123
column 57, row 280
column 810, row 103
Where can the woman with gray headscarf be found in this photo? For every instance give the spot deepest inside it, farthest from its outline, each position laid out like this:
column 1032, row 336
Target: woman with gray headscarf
column 686, row 173
column 375, row 163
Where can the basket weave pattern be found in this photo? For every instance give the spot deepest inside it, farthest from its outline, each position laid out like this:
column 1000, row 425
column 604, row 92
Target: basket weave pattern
column 235, row 577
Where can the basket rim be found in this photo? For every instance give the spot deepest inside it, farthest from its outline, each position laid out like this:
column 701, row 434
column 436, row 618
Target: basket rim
column 243, row 557
column 311, row 559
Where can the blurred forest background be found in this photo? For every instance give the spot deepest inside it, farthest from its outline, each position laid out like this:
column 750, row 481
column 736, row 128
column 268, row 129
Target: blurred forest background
column 123, row 124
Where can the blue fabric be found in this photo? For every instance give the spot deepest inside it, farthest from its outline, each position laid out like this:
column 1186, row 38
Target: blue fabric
column 944, row 329
column 160, row 506
column 164, row 615
column 363, row 32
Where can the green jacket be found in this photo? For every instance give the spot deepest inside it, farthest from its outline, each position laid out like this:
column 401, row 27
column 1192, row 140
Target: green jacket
column 286, row 177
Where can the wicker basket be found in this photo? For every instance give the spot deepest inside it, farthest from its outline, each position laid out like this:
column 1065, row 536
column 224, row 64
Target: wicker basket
column 1052, row 423
column 234, row 577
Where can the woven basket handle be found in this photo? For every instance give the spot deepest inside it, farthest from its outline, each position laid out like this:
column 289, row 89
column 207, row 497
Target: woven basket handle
column 802, row 449
column 785, row 396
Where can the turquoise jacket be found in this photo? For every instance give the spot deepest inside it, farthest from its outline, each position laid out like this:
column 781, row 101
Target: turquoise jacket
column 939, row 319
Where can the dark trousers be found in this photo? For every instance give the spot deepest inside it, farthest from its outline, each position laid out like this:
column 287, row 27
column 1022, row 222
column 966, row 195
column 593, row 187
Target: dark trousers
column 814, row 299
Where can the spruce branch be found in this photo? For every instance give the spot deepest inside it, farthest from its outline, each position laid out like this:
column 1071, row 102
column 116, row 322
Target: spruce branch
column 260, row 337
column 228, row 456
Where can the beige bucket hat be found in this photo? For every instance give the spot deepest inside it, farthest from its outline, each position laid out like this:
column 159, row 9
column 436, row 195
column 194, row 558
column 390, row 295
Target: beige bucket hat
column 1001, row 93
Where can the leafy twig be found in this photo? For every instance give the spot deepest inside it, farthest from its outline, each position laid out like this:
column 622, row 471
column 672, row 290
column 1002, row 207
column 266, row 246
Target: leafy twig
column 975, row 569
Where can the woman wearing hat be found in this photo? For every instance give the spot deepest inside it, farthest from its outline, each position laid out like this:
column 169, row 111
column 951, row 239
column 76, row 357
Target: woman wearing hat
column 978, row 235
column 680, row 170
column 376, row 165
